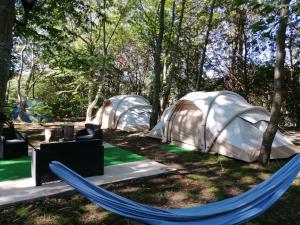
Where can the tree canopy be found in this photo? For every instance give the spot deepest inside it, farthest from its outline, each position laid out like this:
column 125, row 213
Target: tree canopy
column 79, row 50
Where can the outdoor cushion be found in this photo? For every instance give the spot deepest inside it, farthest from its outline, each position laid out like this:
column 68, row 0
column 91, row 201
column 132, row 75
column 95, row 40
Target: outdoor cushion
column 90, row 132
column 14, row 141
column 84, row 137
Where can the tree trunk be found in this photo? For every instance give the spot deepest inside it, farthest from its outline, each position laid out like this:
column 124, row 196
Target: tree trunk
column 174, row 60
column 245, row 71
column 206, row 39
column 89, row 111
column 157, row 67
column 21, row 98
column 31, row 73
column 238, row 80
column 90, row 91
column 7, row 17
column 271, row 130
column 294, row 83
column 7, row 91
column 298, row 121
column 242, row 56
column 104, row 39
column 231, row 81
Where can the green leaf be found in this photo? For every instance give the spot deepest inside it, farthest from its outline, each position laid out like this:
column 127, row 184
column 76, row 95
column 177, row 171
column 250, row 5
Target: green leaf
column 259, row 26
column 240, row 2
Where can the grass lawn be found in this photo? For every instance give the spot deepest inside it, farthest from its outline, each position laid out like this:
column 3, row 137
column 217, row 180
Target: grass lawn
column 200, row 178
column 21, row 167
column 173, row 148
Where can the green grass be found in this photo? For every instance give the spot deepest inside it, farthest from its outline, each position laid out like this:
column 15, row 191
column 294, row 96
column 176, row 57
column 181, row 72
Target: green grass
column 173, row 148
column 21, row 167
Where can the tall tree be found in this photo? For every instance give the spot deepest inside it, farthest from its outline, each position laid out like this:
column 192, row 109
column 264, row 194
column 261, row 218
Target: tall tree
column 293, row 80
column 7, row 17
column 157, row 66
column 206, row 39
column 271, row 130
column 26, row 58
column 238, row 79
column 21, row 99
column 174, row 57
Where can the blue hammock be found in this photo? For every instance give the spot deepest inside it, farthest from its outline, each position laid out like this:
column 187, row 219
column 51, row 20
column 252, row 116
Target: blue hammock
column 235, row 210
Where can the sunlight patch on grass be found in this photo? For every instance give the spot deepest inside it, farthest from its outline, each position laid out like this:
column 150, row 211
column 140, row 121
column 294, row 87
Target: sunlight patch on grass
column 92, row 214
column 173, row 148
column 47, row 220
column 247, row 179
column 263, row 176
column 212, row 190
column 22, row 212
column 178, row 196
column 198, row 178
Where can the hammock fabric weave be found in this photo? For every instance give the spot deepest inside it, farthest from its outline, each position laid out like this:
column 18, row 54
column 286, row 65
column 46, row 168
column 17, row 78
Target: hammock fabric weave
column 235, row 210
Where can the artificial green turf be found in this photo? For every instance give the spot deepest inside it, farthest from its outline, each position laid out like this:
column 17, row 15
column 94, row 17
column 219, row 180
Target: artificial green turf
column 173, row 148
column 115, row 155
column 21, row 167
column 15, row 168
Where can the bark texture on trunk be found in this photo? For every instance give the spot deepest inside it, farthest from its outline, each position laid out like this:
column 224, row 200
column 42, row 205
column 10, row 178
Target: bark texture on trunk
column 157, row 67
column 271, row 130
column 7, row 17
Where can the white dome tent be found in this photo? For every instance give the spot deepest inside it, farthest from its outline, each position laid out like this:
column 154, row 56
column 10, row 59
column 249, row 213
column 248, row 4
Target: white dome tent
column 220, row 122
column 124, row 112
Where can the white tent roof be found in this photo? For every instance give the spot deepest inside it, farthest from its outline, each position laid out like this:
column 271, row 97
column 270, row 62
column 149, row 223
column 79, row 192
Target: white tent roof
column 125, row 112
column 229, row 126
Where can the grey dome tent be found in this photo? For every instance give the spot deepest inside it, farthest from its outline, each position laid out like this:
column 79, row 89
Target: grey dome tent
column 220, row 122
column 124, row 112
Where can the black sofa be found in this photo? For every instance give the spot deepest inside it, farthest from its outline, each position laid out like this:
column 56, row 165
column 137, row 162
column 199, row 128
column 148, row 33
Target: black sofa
column 84, row 157
column 13, row 144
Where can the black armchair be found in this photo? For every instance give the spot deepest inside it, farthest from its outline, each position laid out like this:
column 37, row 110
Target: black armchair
column 13, row 144
column 90, row 132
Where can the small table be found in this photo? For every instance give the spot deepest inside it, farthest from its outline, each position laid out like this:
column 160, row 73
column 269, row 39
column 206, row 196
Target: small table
column 67, row 132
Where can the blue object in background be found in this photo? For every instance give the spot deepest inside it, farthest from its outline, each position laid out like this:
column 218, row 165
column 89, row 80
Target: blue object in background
column 28, row 115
